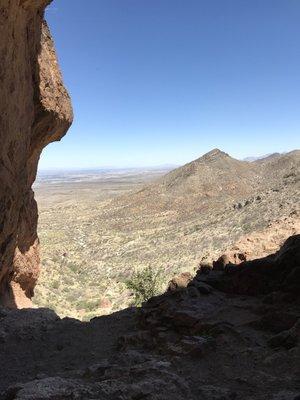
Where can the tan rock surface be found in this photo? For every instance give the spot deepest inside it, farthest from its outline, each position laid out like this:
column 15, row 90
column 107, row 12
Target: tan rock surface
column 35, row 110
column 261, row 243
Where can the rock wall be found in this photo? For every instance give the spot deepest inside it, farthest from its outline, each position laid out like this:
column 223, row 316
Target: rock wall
column 35, row 109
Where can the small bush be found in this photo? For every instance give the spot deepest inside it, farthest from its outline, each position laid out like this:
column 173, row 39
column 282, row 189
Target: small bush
column 55, row 284
column 144, row 284
column 73, row 267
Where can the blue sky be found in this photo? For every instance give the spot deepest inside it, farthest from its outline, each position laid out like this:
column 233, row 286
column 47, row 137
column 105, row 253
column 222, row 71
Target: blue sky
column 163, row 81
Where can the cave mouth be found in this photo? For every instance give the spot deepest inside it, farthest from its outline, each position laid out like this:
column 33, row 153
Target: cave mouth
column 83, row 239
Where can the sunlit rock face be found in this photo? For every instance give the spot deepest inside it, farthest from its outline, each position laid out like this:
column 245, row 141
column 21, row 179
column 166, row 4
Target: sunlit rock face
column 35, row 109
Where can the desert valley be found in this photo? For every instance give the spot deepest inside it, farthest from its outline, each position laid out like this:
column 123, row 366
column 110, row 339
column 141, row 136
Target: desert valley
column 97, row 229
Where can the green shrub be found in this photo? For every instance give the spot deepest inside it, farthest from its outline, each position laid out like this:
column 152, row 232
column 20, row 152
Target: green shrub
column 55, row 284
column 144, row 284
column 73, row 267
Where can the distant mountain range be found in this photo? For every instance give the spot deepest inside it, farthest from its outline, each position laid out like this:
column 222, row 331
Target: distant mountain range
column 264, row 157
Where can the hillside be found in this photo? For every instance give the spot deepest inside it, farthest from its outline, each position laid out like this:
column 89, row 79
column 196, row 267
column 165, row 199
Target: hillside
column 283, row 170
column 213, row 173
column 91, row 243
column 211, row 181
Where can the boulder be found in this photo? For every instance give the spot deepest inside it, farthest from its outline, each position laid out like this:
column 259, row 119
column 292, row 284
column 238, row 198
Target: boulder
column 227, row 259
column 179, row 282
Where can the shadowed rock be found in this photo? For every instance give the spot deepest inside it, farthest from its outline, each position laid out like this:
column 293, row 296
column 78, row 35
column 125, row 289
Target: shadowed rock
column 276, row 272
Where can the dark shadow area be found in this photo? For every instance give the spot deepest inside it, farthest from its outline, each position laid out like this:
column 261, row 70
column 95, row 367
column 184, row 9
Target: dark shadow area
column 36, row 343
column 205, row 339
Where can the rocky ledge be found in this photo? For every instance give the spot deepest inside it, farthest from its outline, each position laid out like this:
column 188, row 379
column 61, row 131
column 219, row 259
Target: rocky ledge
column 208, row 337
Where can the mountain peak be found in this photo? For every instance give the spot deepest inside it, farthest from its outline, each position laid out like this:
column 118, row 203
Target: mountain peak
column 214, row 154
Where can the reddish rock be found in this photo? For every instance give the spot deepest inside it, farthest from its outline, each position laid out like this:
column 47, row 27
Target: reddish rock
column 229, row 258
column 105, row 303
column 35, row 110
column 179, row 282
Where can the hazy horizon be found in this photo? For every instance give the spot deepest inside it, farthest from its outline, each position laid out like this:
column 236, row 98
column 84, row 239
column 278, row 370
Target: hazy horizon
column 167, row 165
column 108, row 168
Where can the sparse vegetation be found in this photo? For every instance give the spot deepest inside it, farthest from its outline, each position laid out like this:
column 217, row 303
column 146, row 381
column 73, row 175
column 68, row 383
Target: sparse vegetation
column 89, row 239
column 145, row 284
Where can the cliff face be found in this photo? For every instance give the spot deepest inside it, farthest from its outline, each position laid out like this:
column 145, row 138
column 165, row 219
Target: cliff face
column 35, row 110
